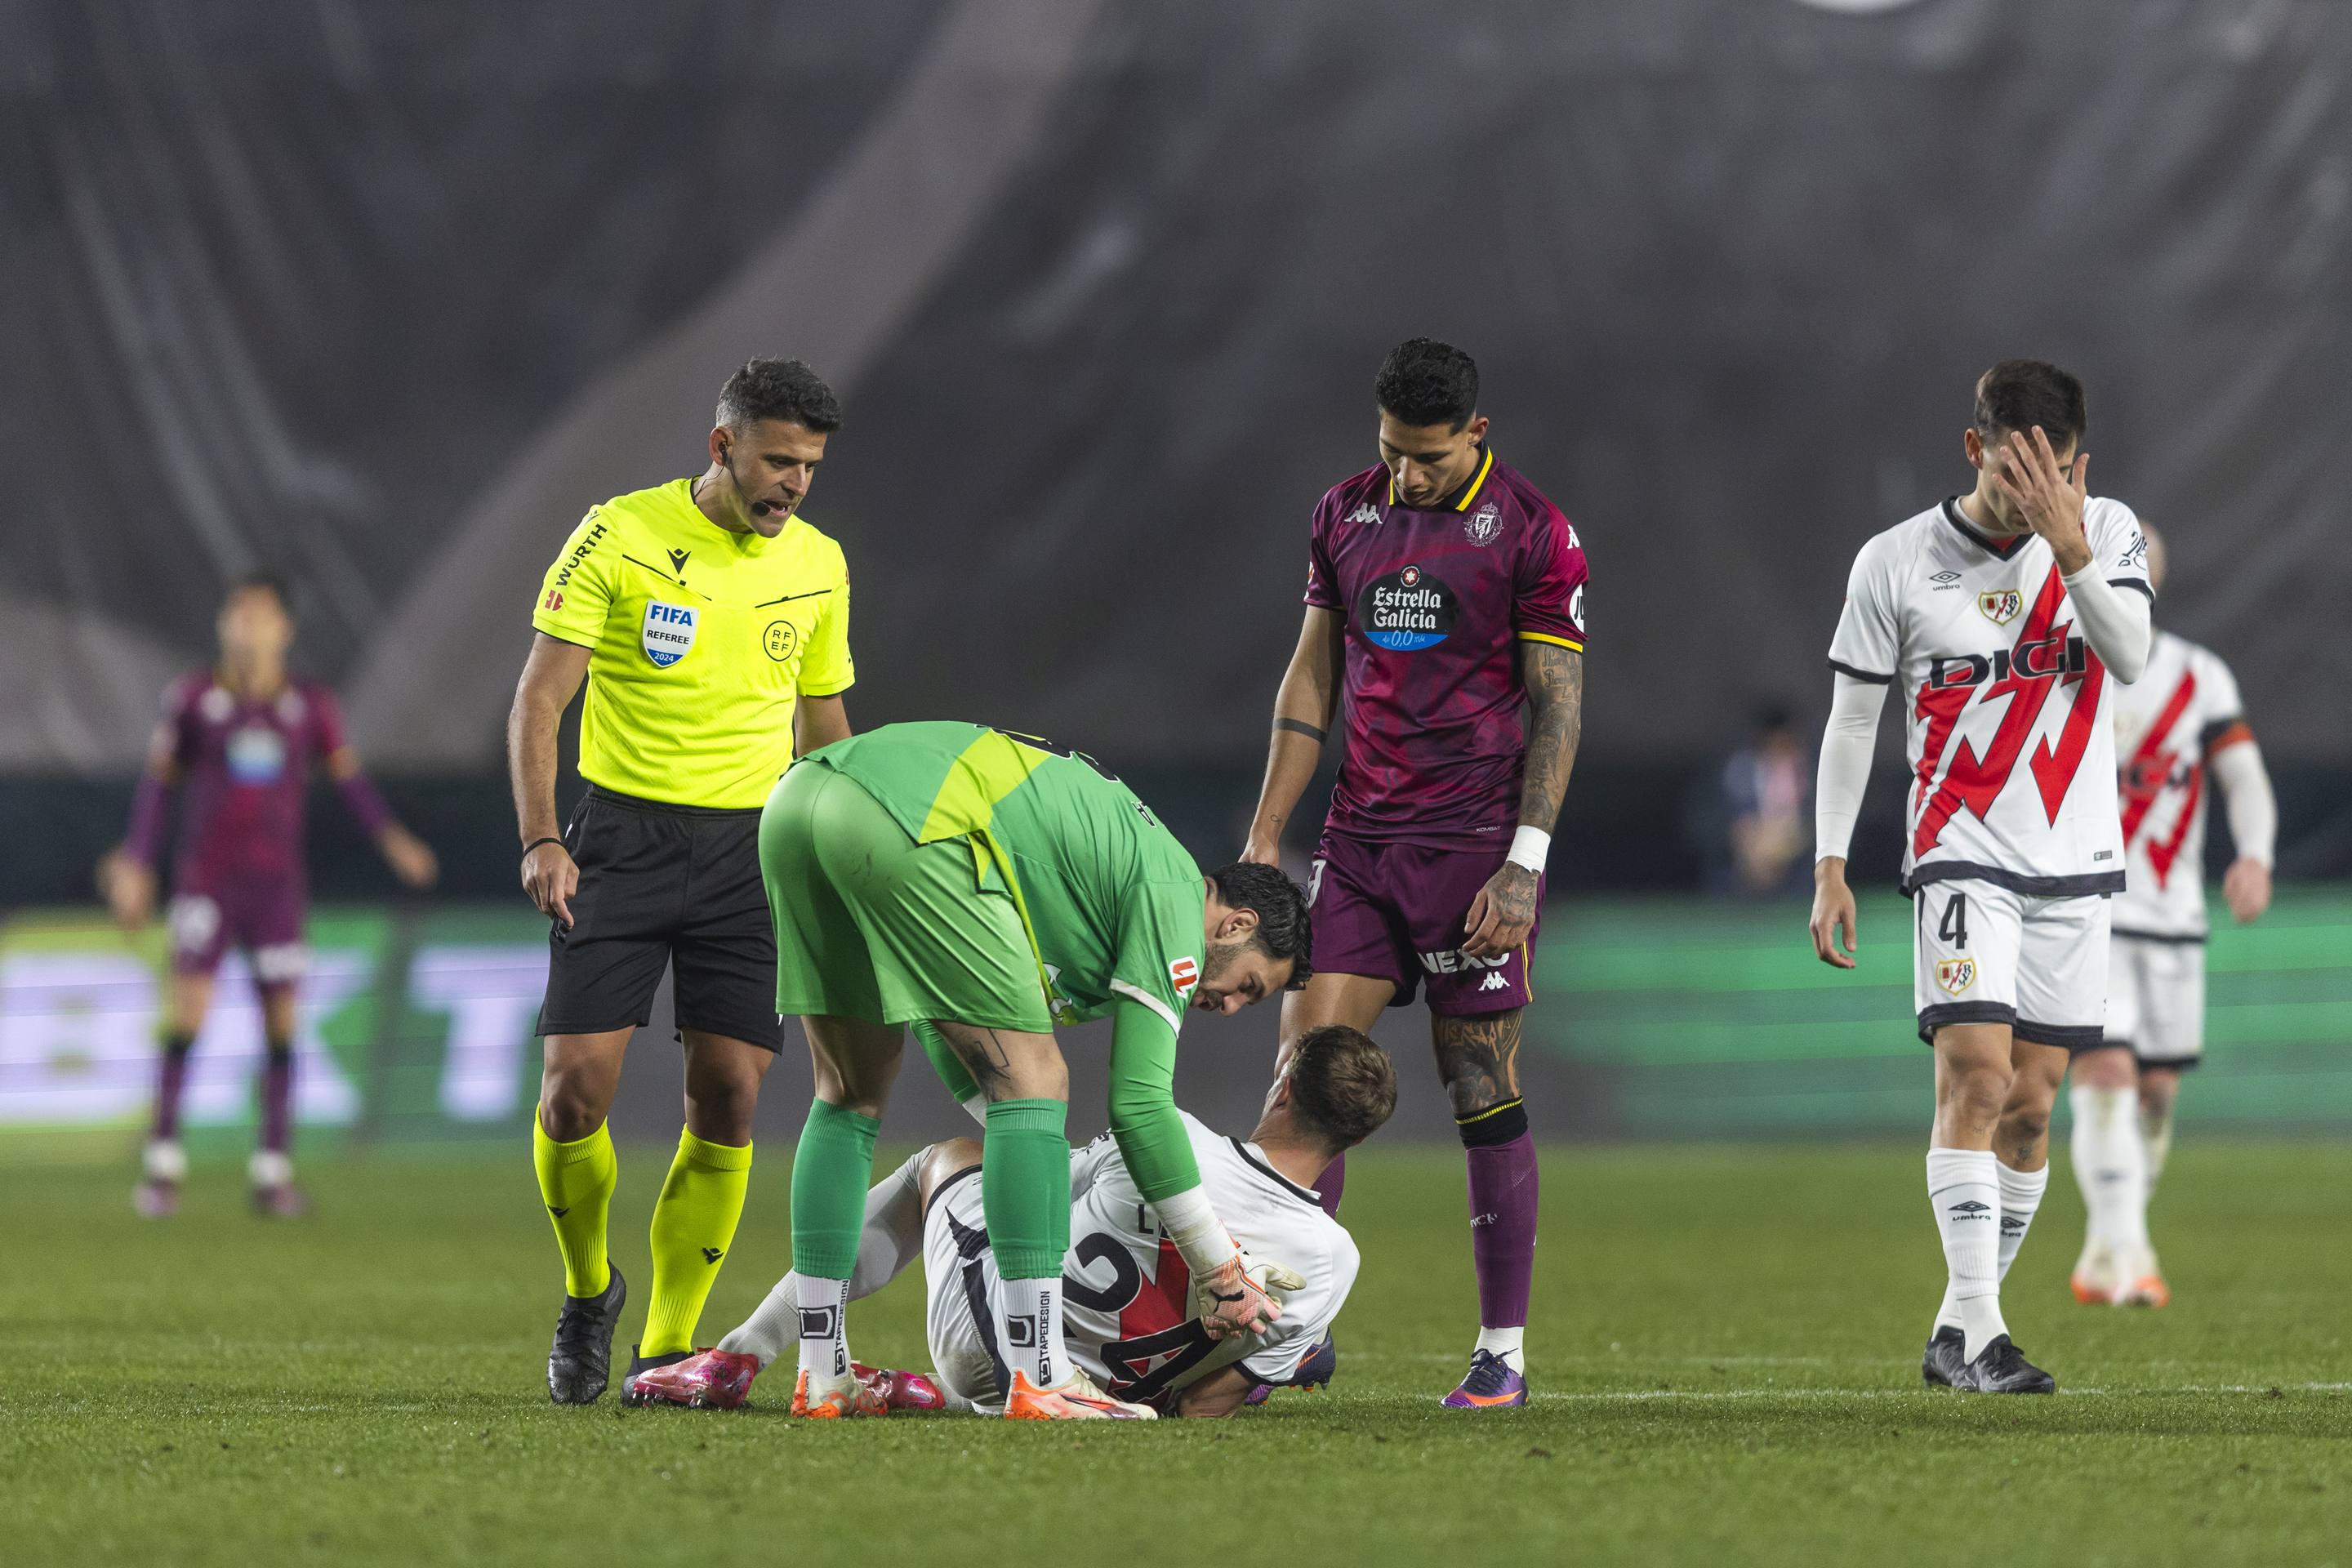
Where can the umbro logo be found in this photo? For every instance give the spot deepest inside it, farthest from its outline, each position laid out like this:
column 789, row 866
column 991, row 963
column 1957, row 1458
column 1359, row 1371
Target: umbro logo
column 557, row 1212
column 678, row 558
column 1367, row 512
column 1968, row 1208
column 2010, row 1222
column 713, row 1254
column 1944, row 580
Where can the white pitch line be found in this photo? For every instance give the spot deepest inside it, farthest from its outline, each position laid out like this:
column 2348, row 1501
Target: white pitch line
column 1635, row 1394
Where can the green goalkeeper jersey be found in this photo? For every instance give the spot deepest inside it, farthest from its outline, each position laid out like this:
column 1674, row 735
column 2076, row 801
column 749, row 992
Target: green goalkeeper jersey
column 1112, row 903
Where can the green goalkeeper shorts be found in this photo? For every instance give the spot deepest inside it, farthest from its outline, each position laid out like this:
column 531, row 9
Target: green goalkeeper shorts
column 872, row 925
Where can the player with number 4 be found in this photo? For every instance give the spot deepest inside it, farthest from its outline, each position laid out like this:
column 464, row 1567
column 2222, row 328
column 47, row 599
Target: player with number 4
column 2005, row 616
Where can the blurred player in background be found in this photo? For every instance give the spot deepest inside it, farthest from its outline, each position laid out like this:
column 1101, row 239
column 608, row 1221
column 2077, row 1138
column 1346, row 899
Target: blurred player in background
column 984, row 888
column 242, row 737
column 1127, row 1292
column 711, row 624
column 1443, row 596
column 2006, row 616
column 2181, row 720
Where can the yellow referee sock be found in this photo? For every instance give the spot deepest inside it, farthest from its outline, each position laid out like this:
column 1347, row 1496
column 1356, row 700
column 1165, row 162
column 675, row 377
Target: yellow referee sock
column 694, row 1225
column 576, row 1182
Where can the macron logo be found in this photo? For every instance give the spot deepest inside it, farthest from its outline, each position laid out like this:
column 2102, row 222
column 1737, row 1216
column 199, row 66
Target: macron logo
column 1367, row 512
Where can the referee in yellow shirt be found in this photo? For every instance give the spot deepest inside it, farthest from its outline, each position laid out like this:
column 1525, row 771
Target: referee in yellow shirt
column 710, row 623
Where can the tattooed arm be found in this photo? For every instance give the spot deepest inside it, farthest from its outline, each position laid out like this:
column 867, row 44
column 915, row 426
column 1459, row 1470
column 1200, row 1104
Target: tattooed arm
column 1506, row 907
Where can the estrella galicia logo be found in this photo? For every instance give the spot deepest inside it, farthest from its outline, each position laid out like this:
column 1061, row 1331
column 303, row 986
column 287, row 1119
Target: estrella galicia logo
column 669, row 631
column 1407, row 610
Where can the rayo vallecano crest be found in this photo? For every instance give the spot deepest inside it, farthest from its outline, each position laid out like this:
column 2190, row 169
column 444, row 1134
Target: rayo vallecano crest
column 2000, row 605
column 1481, row 526
column 1956, row 974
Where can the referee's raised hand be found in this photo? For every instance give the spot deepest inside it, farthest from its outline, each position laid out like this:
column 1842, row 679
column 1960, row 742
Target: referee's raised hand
column 551, row 877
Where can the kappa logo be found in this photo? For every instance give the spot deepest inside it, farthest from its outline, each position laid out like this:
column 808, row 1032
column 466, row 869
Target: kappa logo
column 1945, row 580
column 669, row 631
column 1481, row 527
column 1968, row 1208
column 1495, row 982
column 2002, row 605
column 1956, row 974
column 1183, row 973
column 1367, row 512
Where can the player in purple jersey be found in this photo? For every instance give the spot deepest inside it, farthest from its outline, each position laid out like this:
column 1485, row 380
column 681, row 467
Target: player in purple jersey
column 242, row 737
column 1446, row 595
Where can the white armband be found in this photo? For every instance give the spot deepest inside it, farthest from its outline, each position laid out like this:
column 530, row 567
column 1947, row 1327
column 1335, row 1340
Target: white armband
column 1530, row 848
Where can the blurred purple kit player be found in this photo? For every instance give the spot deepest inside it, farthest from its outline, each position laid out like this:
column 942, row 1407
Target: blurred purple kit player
column 1445, row 594
column 242, row 739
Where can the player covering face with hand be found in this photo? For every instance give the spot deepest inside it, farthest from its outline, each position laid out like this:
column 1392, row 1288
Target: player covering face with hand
column 1131, row 1330
column 2005, row 618
column 985, row 886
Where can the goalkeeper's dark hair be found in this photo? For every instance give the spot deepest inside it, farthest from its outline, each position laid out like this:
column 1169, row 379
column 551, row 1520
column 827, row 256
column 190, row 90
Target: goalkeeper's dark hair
column 2018, row 394
column 1280, row 905
column 1342, row 1086
column 779, row 389
column 1424, row 382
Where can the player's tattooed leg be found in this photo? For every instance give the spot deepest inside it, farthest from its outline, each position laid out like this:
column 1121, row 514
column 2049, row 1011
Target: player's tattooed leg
column 1479, row 1060
column 1008, row 1064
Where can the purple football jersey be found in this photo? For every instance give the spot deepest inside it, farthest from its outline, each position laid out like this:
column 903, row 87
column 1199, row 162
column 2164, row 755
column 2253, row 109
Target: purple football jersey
column 247, row 767
column 1437, row 602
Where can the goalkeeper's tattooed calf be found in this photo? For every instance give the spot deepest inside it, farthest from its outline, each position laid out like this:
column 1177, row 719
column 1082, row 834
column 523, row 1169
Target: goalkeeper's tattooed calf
column 1479, row 1059
column 982, row 1054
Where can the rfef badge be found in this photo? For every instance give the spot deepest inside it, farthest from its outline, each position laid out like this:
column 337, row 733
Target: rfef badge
column 669, row 631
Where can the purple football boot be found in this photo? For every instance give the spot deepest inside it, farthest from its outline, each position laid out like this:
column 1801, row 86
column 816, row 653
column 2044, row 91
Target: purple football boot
column 1491, row 1385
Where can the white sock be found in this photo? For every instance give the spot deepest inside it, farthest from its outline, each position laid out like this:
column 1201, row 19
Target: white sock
column 1964, row 1189
column 1029, row 1330
column 2111, row 1166
column 1507, row 1343
column 2156, row 1138
column 822, row 1308
column 892, row 1239
column 2020, row 1195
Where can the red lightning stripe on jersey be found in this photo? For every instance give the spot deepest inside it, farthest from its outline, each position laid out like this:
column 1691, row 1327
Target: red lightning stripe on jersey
column 1976, row 781
column 2162, row 855
column 2144, row 777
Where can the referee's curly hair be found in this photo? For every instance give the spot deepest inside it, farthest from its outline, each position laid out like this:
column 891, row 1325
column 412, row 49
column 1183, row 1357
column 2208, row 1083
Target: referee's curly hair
column 779, row 389
column 1284, row 929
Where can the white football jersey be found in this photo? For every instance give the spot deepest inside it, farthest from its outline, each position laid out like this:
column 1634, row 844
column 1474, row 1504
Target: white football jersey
column 2007, row 711
column 2181, row 711
column 1127, row 1294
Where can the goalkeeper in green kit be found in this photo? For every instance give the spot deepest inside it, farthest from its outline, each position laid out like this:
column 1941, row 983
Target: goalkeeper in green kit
column 985, row 886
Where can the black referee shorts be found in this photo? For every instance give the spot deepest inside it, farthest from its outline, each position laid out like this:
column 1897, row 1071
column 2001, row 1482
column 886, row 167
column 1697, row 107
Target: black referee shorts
column 664, row 885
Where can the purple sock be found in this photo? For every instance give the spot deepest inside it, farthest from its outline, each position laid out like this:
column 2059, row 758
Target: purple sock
column 276, row 1098
column 1331, row 1183
column 171, row 1083
column 1502, row 1225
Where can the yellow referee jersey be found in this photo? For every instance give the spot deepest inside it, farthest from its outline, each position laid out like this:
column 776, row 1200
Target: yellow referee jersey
column 702, row 638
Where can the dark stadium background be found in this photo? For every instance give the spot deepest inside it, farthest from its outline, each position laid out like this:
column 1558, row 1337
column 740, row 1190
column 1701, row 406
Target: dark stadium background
column 384, row 296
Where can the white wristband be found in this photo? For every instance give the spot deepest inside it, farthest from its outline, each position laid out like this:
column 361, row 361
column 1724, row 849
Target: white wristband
column 1189, row 1220
column 1529, row 845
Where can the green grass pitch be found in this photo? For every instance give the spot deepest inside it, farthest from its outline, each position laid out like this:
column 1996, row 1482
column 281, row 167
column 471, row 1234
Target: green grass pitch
column 1725, row 1346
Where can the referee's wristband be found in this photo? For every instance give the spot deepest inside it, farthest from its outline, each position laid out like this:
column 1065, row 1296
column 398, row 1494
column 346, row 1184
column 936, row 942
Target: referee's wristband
column 536, row 843
column 1529, row 846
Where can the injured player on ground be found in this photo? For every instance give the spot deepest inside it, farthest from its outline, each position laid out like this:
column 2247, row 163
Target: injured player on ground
column 1130, row 1318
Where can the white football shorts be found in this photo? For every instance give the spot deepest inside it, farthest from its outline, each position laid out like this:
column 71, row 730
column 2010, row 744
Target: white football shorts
column 2156, row 1000
column 1983, row 954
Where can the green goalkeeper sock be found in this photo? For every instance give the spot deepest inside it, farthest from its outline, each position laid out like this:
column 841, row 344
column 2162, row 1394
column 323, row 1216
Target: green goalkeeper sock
column 1024, row 1191
column 831, row 1170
